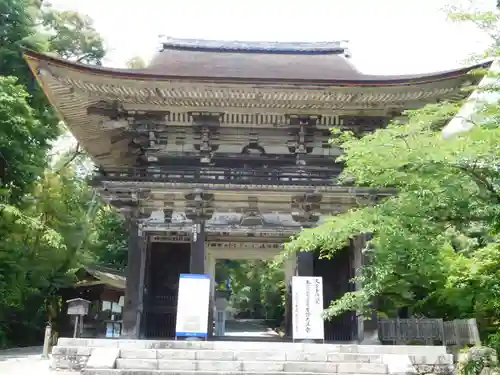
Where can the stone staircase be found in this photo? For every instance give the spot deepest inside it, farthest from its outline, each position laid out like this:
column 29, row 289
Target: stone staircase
column 146, row 357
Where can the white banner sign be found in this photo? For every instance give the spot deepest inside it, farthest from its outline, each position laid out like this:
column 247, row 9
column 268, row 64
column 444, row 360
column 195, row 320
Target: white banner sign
column 307, row 310
column 193, row 305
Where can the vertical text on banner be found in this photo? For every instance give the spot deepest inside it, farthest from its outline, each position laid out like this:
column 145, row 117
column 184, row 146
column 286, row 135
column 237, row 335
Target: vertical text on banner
column 307, row 308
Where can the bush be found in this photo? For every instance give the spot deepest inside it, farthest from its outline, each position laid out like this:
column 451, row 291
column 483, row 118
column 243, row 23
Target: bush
column 478, row 360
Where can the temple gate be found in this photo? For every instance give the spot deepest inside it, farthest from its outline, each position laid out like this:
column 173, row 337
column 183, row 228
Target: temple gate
column 223, row 147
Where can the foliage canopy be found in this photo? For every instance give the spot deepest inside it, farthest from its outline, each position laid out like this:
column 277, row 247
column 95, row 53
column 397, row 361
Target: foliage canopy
column 50, row 221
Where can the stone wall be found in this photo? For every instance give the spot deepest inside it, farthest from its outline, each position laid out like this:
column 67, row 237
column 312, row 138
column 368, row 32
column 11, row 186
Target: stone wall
column 70, row 358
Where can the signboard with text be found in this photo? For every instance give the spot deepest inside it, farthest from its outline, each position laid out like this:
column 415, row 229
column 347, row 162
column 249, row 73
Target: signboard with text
column 193, row 305
column 307, row 308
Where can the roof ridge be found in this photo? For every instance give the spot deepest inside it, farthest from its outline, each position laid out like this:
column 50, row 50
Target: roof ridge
column 209, row 45
column 99, row 268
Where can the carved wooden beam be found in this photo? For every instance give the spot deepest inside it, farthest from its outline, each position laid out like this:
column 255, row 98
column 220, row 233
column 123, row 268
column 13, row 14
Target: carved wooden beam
column 199, row 205
column 305, row 207
column 363, row 124
column 205, row 125
column 302, row 129
column 111, row 109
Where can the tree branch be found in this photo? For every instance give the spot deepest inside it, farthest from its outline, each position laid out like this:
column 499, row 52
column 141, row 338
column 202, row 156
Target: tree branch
column 77, row 153
column 481, row 181
column 83, row 57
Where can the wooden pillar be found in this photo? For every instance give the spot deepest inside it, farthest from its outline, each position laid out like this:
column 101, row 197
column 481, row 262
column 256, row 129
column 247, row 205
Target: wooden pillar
column 290, row 269
column 367, row 325
column 306, row 215
column 135, row 272
column 199, row 209
column 304, row 259
column 197, row 263
column 305, row 263
column 288, row 318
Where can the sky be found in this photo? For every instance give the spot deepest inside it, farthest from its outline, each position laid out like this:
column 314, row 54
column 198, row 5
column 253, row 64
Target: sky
column 385, row 36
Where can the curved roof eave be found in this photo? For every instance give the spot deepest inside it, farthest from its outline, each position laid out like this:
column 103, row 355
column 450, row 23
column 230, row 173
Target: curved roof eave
column 365, row 80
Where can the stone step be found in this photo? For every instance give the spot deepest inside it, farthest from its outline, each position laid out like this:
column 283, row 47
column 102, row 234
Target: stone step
column 175, row 372
column 76, row 358
column 254, row 355
column 236, row 355
column 252, row 366
column 249, row 345
column 196, row 360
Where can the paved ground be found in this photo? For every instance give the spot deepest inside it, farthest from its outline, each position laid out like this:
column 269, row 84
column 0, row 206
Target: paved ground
column 25, row 361
column 249, row 328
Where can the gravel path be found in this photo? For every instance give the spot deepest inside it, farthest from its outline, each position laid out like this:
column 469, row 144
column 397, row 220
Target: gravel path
column 24, row 361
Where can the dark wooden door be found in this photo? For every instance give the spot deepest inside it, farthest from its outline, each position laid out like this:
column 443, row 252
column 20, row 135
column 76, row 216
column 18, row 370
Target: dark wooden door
column 166, row 261
column 336, row 273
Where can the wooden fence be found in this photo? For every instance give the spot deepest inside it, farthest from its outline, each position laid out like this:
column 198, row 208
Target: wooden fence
column 429, row 331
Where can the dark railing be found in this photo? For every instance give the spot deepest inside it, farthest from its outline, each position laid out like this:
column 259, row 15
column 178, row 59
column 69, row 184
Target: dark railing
column 160, row 317
column 160, row 325
column 429, row 331
column 342, row 328
column 243, row 176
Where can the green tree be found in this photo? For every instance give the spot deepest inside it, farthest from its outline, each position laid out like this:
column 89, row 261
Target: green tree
column 110, row 239
column 435, row 243
column 257, row 288
column 69, row 35
column 45, row 214
column 25, row 137
column 438, row 197
column 40, row 244
column 72, row 36
column 23, row 140
column 135, row 62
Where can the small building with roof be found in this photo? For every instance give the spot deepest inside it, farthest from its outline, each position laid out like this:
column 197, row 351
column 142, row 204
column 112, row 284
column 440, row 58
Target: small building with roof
column 105, row 290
